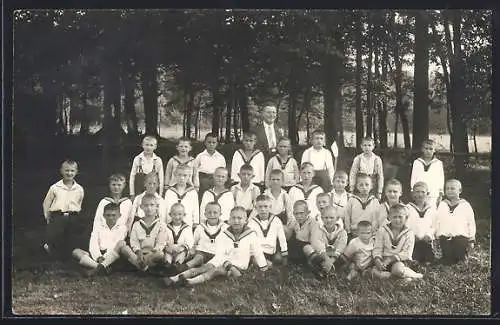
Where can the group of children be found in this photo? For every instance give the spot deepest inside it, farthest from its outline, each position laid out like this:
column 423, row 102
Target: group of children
column 199, row 220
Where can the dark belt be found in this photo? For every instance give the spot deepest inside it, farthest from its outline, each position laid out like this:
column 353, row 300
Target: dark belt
column 66, row 213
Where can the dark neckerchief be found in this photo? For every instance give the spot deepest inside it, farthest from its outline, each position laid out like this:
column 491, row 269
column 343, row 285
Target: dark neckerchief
column 181, row 197
column 426, row 165
column 266, row 230
column 236, row 239
column 215, row 234
column 149, row 228
column 421, row 212
column 312, row 187
column 218, row 196
column 450, row 206
column 368, row 200
column 283, row 164
column 178, row 235
column 243, row 156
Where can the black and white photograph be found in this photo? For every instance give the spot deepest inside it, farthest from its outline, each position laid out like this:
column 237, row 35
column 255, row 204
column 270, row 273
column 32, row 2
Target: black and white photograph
column 251, row 162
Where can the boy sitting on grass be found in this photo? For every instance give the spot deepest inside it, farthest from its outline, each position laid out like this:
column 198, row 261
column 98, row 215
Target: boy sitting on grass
column 328, row 241
column 303, row 225
column 179, row 247
column 393, row 247
column 205, row 236
column 234, row 248
column 148, row 237
column 358, row 254
column 106, row 234
column 270, row 230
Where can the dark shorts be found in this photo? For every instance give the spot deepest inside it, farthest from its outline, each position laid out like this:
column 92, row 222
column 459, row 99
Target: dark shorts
column 62, row 232
column 454, row 249
column 422, row 252
column 322, row 178
column 295, row 250
column 206, row 256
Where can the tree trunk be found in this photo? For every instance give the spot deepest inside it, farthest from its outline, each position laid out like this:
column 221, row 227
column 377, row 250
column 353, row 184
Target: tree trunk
column 229, row 114
column 236, row 113
column 460, row 140
column 359, row 69
column 243, row 104
column 306, row 107
column 421, row 82
column 376, row 93
column 446, row 77
column 84, row 120
column 474, row 131
column 292, row 107
column 369, row 95
column 332, row 92
column 396, row 122
column 129, row 99
column 382, row 114
column 217, row 107
column 150, row 97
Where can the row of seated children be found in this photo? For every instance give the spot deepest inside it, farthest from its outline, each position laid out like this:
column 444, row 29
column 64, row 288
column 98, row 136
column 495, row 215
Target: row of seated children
column 453, row 245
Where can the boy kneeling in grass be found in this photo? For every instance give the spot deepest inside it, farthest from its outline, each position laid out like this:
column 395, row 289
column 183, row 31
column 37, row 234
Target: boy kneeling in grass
column 106, row 233
column 234, row 248
column 358, row 253
column 148, row 237
column 393, row 247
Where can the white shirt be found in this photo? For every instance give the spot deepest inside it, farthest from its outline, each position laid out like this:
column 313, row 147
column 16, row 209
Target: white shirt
column 289, row 168
column 138, row 212
column 270, row 134
column 452, row 221
column 256, row 160
column 189, row 199
column 147, row 164
column 297, row 192
column 105, row 238
column 125, row 209
column 281, row 203
column 207, row 163
column 155, row 235
column 238, row 250
column 321, row 160
column 206, row 235
column 225, row 199
column 181, row 235
column 360, row 253
column 245, row 198
column 433, row 176
column 270, row 231
column 63, row 198
column 421, row 222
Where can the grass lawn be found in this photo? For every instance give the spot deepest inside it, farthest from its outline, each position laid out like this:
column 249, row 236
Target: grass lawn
column 43, row 287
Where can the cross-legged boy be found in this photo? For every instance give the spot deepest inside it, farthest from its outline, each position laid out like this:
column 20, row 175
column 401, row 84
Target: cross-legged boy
column 306, row 189
column 392, row 191
column 358, row 253
column 61, row 208
column 234, row 249
column 393, row 247
column 455, row 224
column 145, row 163
column 117, row 183
column 270, row 230
column 106, row 234
column 303, row 225
column 245, row 192
column 220, row 194
column 207, row 161
column 328, row 242
column 205, row 235
column 183, row 192
column 421, row 219
column 148, row 237
column 151, row 187
column 180, row 247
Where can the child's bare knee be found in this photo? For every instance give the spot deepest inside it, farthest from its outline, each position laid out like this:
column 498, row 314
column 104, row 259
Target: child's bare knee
column 78, row 253
column 398, row 269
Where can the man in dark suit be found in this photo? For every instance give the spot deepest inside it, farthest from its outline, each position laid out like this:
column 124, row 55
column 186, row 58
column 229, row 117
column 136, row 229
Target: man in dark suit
column 268, row 132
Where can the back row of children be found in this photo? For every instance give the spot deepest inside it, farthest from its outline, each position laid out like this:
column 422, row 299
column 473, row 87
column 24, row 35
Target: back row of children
column 351, row 211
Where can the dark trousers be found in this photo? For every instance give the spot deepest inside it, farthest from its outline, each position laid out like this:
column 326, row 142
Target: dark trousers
column 422, row 252
column 454, row 249
column 61, row 231
column 295, row 253
column 322, row 179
